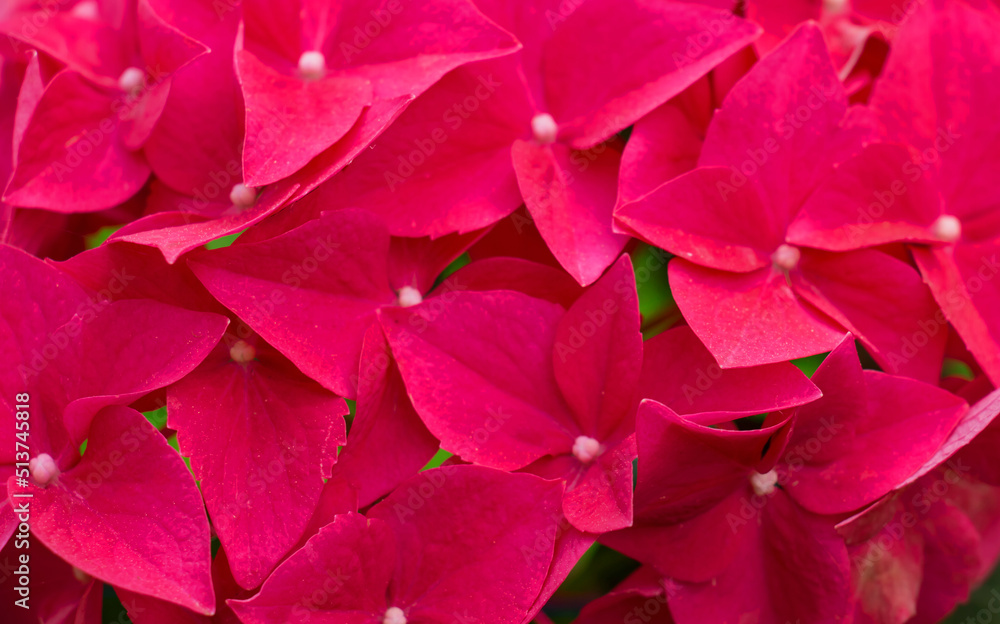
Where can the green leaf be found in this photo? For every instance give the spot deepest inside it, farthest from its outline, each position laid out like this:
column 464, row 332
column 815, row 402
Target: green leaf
column 439, row 458
column 157, row 418
column 224, row 241
column 808, row 365
column 956, row 368
column 455, row 265
column 96, row 239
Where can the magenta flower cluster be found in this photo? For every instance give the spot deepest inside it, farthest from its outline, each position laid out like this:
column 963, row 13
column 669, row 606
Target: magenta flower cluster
column 435, row 295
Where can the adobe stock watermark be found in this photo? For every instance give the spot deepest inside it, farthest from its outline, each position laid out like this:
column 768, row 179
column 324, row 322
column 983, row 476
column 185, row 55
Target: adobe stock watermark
column 86, row 313
column 599, row 315
column 370, row 30
column 562, row 12
column 701, row 42
column 922, row 502
column 545, row 539
column 122, row 107
column 453, row 118
column 418, row 495
column 207, row 200
column 955, row 298
column 911, row 171
column 334, row 581
column 431, row 309
column 899, row 13
column 786, row 128
column 31, row 25
column 792, row 461
column 293, row 278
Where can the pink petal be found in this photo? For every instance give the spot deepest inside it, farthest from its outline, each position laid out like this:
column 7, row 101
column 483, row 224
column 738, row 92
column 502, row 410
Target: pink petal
column 535, row 280
column 56, row 593
column 692, row 495
column 416, row 176
column 418, row 262
column 640, row 595
column 475, row 522
column 279, row 433
column 931, row 97
column 128, row 271
column 72, row 159
column 884, row 302
column 311, row 115
column 971, row 425
column 333, row 268
column 570, row 545
column 347, row 567
column 479, row 372
column 962, row 279
column 419, row 45
column 164, row 343
column 888, row 582
column 571, row 195
column 678, row 371
column 598, row 353
column 388, row 442
column 865, row 437
column 62, row 328
column 666, row 142
column 793, row 567
column 951, row 561
column 164, row 50
column 137, row 517
column 189, row 150
column 730, row 230
column 749, row 319
column 143, row 609
column 601, row 499
column 183, row 232
column 784, row 144
column 876, row 197
column 609, row 63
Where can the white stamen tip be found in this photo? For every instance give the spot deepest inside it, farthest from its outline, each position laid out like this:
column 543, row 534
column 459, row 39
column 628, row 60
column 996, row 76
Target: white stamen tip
column 394, row 615
column 312, row 65
column 763, row 484
column 241, row 352
column 947, row 228
column 43, row 469
column 586, row 449
column 86, row 10
column 409, row 296
column 132, row 80
column 81, row 576
column 544, row 128
column 242, row 196
column 835, row 7
column 786, row 257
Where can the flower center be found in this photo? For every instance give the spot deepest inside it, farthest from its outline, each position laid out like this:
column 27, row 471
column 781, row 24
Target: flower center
column 131, row 80
column 835, row 7
column 242, row 196
column 763, row 484
column 242, row 352
column 586, row 449
column 81, row 576
column 786, row 257
column 394, row 615
column 86, row 10
column 43, row 469
column 312, row 65
column 544, row 128
column 409, row 296
column 947, row 228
